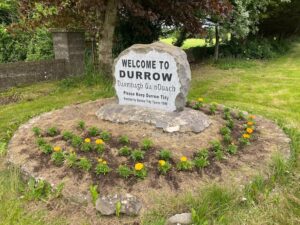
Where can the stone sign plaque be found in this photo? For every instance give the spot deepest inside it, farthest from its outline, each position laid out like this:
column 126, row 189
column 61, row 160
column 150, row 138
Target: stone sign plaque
column 154, row 76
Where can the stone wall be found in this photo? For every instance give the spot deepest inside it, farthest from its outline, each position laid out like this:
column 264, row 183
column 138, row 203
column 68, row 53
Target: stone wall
column 69, row 47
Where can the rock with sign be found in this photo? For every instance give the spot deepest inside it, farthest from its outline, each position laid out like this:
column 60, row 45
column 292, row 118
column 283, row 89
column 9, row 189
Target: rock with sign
column 155, row 76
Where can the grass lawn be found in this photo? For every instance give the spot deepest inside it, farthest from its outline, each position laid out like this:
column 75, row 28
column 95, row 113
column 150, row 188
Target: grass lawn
column 269, row 88
column 189, row 43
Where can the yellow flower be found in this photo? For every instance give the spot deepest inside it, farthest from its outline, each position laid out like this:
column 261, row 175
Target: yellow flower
column 250, row 123
column 99, row 142
column 104, row 162
column 246, row 136
column 71, row 150
column 139, row 166
column 183, row 159
column 57, row 149
column 200, row 99
column 100, row 160
column 87, row 140
column 249, row 130
column 162, row 162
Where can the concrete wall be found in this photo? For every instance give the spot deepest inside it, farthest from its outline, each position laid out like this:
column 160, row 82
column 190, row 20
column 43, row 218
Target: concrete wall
column 18, row 73
column 69, row 49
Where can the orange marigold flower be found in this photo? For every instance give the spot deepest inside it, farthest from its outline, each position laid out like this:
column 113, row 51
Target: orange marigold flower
column 87, row 140
column 57, row 149
column 247, row 136
column 139, row 166
column 250, row 123
column 252, row 117
column 249, row 130
column 183, row 159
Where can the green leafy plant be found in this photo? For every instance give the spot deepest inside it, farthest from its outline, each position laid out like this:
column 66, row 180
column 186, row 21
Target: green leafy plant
column 225, row 131
column 165, row 154
column 213, row 108
column 201, row 162
column 241, row 115
column 245, row 140
column 58, row 158
column 37, row 131
column 93, row 131
column 86, row 147
column 198, row 104
column 232, row 149
column 81, row 125
column 100, row 148
column 41, row 141
column 125, row 151
column 230, row 124
column 137, row 155
column 46, row 148
column 146, row 144
column 53, row 131
column 184, row 164
column 2, row 148
column 118, row 208
column 124, row 171
column 37, row 190
column 94, row 193
column 216, row 145
column 124, row 139
column 164, row 166
column 105, row 135
column 71, row 159
column 202, row 153
column 67, row 135
column 76, row 141
column 102, row 168
column 219, row 155
column 140, row 171
column 84, row 164
column 227, row 138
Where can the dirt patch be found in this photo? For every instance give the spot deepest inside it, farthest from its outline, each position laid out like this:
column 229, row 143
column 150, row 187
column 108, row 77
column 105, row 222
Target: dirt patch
column 24, row 153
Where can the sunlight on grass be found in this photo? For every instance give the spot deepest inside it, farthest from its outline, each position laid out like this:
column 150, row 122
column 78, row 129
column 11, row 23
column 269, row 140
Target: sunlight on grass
column 189, row 43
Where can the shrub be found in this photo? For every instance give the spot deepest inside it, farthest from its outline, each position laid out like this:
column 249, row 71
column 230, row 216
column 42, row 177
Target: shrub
column 84, row 164
column 165, row 154
column 124, row 140
column 105, row 135
column 137, row 155
column 146, row 144
column 124, row 171
column 125, row 151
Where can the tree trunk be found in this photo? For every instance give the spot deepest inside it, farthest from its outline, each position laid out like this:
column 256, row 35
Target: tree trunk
column 181, row 38
column 217, row 42
column 107, row 37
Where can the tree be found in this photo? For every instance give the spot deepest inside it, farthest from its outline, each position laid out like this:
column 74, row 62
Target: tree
column 99, row 17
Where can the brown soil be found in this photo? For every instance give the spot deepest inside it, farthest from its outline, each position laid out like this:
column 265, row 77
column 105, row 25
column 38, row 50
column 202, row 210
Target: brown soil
column 24, row 153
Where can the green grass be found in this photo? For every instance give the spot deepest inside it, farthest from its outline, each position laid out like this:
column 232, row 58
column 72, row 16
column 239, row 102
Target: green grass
column 189, row 43
column 269, row 88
